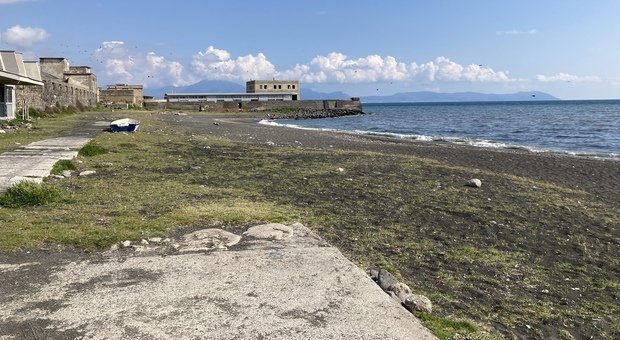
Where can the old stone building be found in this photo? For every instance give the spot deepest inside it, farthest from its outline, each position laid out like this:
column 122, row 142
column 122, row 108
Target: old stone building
column 15, row 72
column 132, row 95
column 63, row 86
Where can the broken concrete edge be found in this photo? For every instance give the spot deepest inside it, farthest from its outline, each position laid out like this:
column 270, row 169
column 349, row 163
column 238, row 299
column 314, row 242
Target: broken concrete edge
column 210, row 239
column 400, row 291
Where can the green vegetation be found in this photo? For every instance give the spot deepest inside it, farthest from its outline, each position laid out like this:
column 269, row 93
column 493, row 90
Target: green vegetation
column 92, row 149
column 29, row 194
column 451, row 329
column 520, row 257
column 62, row 165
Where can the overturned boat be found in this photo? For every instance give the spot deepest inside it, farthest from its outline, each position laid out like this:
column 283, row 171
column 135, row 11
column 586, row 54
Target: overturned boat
column 124, row 125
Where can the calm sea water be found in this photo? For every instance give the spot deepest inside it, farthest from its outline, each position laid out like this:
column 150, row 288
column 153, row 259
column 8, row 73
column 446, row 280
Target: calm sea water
column 585, row 128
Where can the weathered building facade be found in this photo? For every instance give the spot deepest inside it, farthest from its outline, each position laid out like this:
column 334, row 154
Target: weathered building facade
column 63, row 86
column 274, row 86
column 15, row 72
column 123, row 94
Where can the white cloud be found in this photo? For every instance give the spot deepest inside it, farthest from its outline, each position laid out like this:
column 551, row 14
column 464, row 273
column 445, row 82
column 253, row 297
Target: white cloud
column 214, row 63
column 24, row 36
column 148, row 69
column 518, row 32
column 336, row 67
column 565, row 77
column 151, row 69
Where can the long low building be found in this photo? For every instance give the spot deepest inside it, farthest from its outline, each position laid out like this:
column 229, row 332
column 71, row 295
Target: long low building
column 227, row 97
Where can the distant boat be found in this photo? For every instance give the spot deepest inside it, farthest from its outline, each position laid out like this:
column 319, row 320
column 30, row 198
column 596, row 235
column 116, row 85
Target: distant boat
column 124, row 125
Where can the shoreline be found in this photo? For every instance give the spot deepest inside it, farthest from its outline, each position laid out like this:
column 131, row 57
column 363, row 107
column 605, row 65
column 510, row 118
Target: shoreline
column 584, row 173
column 451, row 140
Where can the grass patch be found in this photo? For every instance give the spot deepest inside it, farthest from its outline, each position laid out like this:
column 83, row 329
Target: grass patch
column 29, row 194
column 91, row 149
column 62, row 165
column 445, row 328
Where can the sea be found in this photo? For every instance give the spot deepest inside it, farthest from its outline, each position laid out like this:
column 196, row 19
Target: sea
column 586, row 128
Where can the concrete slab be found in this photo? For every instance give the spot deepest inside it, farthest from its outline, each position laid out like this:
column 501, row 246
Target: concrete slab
column 35, row 160
column 260, row 288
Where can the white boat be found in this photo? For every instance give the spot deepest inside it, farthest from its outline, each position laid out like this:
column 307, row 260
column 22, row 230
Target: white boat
column 124, row 125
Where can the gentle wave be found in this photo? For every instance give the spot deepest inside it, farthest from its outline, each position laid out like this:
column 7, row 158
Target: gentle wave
column 454, row 140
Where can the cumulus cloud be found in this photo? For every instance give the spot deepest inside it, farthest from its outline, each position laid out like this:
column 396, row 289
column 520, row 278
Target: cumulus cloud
column 565, row 77
column 518, row 32
column 150, row 69
column 336, row 67
column 24, row 36
column 214, row 63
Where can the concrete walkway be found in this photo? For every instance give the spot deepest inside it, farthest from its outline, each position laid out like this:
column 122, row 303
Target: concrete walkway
column 34, row 161
column 268, row 282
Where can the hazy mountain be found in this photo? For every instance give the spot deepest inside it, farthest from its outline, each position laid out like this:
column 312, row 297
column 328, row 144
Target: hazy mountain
column 222, row 86
column 309, row 94
column 427, row 96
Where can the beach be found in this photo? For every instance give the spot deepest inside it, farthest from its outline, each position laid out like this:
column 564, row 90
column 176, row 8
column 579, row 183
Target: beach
column 530, row 254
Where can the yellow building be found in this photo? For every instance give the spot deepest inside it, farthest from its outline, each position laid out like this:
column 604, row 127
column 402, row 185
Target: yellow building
column 123, row 94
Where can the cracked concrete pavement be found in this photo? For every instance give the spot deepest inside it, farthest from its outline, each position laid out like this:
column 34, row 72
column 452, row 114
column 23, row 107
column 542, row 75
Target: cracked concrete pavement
column 34, row 161
column 269, row 282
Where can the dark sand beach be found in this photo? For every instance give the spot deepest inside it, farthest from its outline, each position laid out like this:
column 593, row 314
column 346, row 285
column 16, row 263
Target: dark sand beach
column 532, row 253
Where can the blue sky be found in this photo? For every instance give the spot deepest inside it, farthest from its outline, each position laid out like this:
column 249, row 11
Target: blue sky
column 568, row 48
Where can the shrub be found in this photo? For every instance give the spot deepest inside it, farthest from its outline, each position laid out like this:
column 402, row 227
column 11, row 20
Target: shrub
column 34, row 113
column 62, row 165
column 27, row 194
column 92, row 149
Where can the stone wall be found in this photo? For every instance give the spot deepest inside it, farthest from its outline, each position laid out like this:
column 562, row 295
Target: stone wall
column 54, row 93
column 63, row 86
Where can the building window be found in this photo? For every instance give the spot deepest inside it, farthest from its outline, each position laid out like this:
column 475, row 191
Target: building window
column 288, row 87
column 280, row 87
column 293, row 87
column 275, row 87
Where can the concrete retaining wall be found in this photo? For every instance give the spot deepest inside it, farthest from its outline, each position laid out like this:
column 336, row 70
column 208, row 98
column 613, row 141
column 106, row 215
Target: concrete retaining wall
column 276, row 109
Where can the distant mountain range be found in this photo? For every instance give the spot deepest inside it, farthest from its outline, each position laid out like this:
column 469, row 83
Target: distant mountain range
column 427, row 96
column 215, row 86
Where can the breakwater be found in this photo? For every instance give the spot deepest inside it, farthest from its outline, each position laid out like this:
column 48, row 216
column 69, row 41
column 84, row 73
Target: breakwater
column 296, row 109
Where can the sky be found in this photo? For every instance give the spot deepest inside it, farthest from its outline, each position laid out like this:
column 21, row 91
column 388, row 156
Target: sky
column 568, row 48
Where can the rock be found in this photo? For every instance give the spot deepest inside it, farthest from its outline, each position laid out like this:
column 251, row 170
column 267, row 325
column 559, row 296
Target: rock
column 58, row 176
column 2, row 131
column 395, row 297
column 273, row 231
column 166, row 240
column 474, row 183
column 66, row 173
column 154, row 239
column 208, row 239
column 385, row 279
column 114, row 247
column 87, row 173
column 105, row 164
column 420, row 303
column 126, row 244
column 340, row 169
column 374, row 274
column 144, row 242
column 401, row 290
